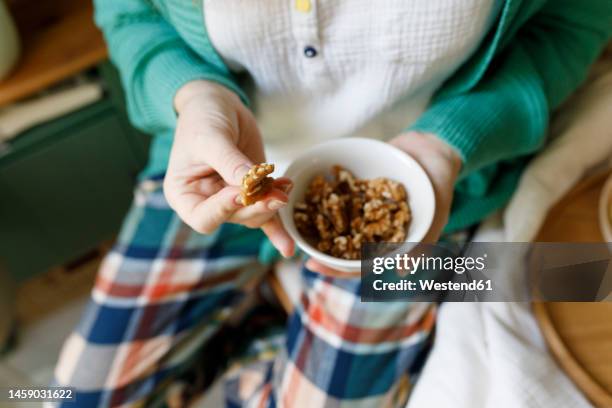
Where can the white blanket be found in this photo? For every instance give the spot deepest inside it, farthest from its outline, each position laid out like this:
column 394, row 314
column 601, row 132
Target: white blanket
column 492, row 355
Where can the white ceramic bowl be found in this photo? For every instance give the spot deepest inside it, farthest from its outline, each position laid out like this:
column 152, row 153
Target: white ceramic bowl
column 604, row 208
column 367, row 159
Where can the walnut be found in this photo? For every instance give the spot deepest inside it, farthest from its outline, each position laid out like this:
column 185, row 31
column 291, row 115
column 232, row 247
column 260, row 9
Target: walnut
column 325, row 245
column 403, row 216
column 377, row 228
column 341, row 212
column 357, row 240
column 256, row 183
column 375, row 210
column 302, row 220
column 335, row 208
column 344, row 247
column 344, row 176
column 324, row 227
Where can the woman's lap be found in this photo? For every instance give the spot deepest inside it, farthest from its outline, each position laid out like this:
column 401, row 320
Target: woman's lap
column 164, row 283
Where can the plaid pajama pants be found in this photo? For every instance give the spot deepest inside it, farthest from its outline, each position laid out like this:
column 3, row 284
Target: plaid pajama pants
column 163, row 286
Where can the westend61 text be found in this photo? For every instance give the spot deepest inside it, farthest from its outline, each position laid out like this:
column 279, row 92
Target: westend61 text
column 430, row 285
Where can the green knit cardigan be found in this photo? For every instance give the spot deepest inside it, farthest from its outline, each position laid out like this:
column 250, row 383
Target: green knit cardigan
column 494, row 110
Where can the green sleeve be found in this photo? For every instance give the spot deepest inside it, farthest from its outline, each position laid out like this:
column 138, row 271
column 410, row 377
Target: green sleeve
column 153, row 60
column 506, row 114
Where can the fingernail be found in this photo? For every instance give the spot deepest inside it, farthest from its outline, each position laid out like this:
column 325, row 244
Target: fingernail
column 287, row 188
column 276, row 205
column 241, row 171
column 238, row 199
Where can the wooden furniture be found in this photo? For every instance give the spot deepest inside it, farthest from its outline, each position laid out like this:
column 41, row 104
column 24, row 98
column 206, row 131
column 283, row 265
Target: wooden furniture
column 55, row 47
column 67, row 184
column 579, row 335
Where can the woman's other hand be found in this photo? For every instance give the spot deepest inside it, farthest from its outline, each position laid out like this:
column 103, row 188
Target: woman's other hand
column 216, row 142
column 441, row 163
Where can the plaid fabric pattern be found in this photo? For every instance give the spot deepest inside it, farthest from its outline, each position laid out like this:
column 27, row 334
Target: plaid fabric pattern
column 164, row 289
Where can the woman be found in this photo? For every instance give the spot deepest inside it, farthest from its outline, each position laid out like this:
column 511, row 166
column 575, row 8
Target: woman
column 466, row 88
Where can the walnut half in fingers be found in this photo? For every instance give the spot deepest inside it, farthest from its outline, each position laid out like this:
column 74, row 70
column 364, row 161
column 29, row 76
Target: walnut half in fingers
column 256, row 183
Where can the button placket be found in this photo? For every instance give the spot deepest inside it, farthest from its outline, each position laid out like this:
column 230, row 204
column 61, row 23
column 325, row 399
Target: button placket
column 303, row 6
column 309, row 51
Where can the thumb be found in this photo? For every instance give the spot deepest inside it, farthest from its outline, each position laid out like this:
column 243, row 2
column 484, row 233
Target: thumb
column 225, row 158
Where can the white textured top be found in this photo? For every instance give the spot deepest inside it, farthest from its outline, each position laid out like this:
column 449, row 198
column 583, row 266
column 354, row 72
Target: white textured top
column 333, row 68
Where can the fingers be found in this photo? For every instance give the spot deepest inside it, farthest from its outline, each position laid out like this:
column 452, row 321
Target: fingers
column 209, row 185
column 227, row 160
column 255, row 215
column 263, row 214
column 206, row 214
column 442, row 165
column 232, row 143
column 281, row 240
column 208, row 203
column 209, row 214
column 284, row 184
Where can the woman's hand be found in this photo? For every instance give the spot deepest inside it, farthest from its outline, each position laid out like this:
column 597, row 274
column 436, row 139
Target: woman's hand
column 441, row 163
column 215, row 144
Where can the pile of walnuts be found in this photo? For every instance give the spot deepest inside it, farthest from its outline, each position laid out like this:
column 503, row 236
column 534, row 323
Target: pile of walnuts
column 341, row 213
